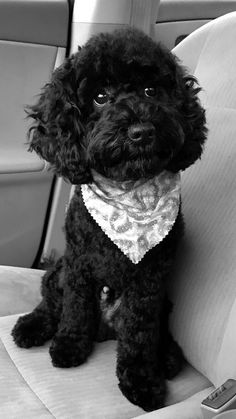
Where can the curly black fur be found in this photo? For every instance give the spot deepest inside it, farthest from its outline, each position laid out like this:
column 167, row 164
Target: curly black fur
column 149, row 120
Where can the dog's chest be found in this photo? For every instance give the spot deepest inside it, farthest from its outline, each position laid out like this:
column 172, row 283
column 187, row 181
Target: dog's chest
column 138, row 219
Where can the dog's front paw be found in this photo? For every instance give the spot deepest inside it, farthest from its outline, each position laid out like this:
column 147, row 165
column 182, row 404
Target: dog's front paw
column 67, row 351
column 33, row 329
column 142, row 389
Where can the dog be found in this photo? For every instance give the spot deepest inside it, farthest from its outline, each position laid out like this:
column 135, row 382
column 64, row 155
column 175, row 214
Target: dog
column 120, row 119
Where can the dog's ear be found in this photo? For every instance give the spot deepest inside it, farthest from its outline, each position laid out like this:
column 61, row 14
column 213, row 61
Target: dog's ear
column 193, row 120
column 57, row 132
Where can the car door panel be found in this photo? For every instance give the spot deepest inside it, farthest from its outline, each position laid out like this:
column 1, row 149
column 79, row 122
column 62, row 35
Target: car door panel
column 33, row 40
column 43, row 22
column 23, row 206
column 18, row 61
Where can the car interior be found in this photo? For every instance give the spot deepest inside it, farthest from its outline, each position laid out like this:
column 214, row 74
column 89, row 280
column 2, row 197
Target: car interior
column 35, row 37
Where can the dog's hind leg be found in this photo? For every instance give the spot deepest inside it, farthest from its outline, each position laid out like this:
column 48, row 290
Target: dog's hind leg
column 35, row 328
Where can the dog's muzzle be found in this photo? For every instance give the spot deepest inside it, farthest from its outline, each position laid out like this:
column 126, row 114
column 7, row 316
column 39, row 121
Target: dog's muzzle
column 142, row 132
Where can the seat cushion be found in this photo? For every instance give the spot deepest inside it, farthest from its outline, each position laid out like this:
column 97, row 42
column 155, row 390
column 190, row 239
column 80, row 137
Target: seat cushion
column 17, row 400
column 19, row 289
column 187, row 409
column 31, row 387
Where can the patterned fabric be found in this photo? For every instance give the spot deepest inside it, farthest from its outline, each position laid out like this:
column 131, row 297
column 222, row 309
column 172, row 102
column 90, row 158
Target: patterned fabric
column 136, row 216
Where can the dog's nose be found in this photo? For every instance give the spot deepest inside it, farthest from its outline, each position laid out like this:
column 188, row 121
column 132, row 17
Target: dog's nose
column 142, row 132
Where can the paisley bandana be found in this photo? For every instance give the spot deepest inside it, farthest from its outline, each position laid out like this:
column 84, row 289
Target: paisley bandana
column 136, row 216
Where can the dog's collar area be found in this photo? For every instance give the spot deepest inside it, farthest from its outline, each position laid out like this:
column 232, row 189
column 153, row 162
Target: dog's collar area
column 112, row 188
column 136, row 216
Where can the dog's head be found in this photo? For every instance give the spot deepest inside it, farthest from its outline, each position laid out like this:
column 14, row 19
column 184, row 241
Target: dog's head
column 122, row 106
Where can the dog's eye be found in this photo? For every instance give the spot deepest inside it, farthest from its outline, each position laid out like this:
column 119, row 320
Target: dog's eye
column 150, row 91
column 101, row 98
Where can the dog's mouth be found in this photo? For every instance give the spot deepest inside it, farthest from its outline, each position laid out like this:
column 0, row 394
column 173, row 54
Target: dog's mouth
column 124, row 160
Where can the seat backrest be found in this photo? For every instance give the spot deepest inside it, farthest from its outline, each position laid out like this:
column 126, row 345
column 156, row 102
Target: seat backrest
column 204, row 287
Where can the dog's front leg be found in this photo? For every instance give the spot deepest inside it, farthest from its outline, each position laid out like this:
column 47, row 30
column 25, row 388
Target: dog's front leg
column 139, row 364
column 73, row 341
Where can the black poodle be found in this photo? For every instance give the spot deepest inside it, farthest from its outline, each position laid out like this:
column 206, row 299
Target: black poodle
column 120, row 119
